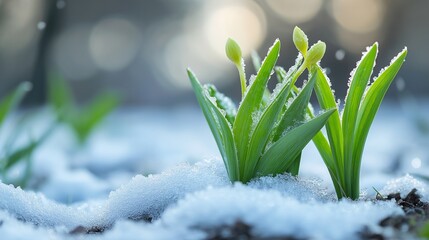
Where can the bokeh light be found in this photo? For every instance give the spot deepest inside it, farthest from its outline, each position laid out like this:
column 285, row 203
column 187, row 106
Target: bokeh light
column 201, row 43
column 113, row 43
column 361, row 16
column 296, row 11
column 71, row 53
column 18, row 24
column 243, row 21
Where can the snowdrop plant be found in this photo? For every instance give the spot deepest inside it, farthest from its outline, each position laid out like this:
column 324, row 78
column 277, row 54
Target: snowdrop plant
column 82, row 120
column 343, row 147
column 11, row 155
column 268, row 131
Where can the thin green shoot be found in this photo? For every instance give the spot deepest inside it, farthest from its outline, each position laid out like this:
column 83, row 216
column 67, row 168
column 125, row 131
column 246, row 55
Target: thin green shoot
column 11, row 155
column 82, row 120
column 343, row 146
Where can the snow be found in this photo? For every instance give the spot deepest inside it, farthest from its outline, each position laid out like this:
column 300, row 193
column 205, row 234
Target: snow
column 271, row 214
column 11, row 228
column 404, row 185
column 36, row 208
column 394, row 59
column 309, row 189
column 66, row 186
column 149, row 196
column 156, row 169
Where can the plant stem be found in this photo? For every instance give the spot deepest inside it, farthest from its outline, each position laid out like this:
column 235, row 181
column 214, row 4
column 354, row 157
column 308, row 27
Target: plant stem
column 298, row 73
column 242, row 74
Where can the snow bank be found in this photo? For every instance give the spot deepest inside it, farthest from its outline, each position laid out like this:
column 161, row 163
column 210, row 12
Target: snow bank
column 147, row 197
column 272, row 214
column 66, row 186
column 11, row 228
column 268, row 213
column 404, row 185
column 37, row 209
column 198, row 201
column 143, row 197
column 301, row 189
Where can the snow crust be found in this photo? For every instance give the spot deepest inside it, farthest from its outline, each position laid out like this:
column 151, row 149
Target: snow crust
column 37, row 209
column 272, row 214
column 149, row 196
column 166, row 179
column 199, row 198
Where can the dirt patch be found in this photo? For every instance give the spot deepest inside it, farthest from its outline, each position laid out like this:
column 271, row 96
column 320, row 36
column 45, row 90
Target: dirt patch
column 400, row 226
column 83, row 230
column 242, row 231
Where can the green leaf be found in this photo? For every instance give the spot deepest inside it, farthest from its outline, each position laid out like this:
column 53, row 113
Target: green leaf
column 369, row 108
column 60, row 96
column 11, row 101
column 223, row 102
column 256, row 60
column 263, row 130
column 24, row 152
column 283, row 75
column 252, row 101
column 359, row 81
column 219, row 127
column 294, row 168
column 20, row 154
column 324, row 149
column 326, row 99
column 93, row 114
column 280, row 156
column 423, row 231
column 296, row 111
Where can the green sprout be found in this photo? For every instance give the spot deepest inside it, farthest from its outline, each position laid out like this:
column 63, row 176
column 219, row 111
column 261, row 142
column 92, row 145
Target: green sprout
column 233, row 52
column 423, row 231
column 11, row 155
column 82, row 120
column 264, row 136
column 347, row 132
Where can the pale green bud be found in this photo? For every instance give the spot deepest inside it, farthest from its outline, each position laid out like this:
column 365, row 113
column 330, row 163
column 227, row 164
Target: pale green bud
column 315, row 53
column 300, row 40
column 233, row 51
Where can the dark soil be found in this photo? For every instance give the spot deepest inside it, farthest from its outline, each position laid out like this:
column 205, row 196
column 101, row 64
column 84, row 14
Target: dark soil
column 83, row 230
column 240, row 231
column 401, row 226
column 416, row 213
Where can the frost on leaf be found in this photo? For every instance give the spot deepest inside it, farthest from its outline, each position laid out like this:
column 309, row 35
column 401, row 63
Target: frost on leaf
column 224, row 104
column 353, row 72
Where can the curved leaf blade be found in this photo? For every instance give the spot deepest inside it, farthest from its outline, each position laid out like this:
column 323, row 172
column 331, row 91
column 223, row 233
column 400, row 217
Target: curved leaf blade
column 326, row 99
column 251, row 102
column 370, row 106
column 11, row 101
column 359, row 81
column 219, row 127
column 281, row 155
column 296, row 111
column 263, row 130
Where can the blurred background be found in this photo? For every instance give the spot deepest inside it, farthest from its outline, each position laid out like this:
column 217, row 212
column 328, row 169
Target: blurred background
column 141, row 48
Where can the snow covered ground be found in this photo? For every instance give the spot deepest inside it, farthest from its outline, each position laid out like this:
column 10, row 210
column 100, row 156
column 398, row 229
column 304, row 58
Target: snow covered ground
column 156, row 174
